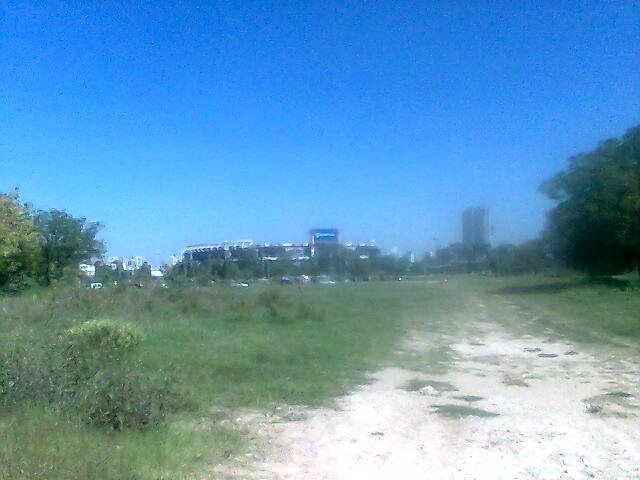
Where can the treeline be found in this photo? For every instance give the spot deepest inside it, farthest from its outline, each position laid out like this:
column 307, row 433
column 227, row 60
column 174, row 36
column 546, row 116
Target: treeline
column 42, row 247
column 594, row 227
column 334, row 260
column 533, row 256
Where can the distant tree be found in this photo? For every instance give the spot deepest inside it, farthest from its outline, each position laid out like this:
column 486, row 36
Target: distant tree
column 453, row 253
column 359, row 267
column 249, row 264
column 18, row 242
column 106, row 274
column 65, row 242
column 280, row 268
column 230, row 270
column 388, row 265
column 528, row 257
column 328, row 259
column 595, row 226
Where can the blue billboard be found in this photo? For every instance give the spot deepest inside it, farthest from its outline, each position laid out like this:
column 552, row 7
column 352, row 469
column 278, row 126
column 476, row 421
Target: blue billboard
column 324, row 236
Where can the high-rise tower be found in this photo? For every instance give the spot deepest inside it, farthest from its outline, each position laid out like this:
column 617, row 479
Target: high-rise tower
column 475, row 228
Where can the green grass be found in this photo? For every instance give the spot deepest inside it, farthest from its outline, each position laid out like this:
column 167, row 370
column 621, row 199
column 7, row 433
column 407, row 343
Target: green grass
column 581, row 310
column 223, row 349
column 218, row 347
column 468, row 398
column 451, row 410
column 306, row 361
column 38, row 444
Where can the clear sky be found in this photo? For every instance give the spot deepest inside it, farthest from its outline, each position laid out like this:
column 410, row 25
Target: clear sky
column 192, row 122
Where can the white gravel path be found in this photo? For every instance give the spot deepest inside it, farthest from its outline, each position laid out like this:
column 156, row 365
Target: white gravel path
column 543, row 430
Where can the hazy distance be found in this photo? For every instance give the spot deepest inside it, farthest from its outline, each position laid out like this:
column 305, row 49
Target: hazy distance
column 176, row 125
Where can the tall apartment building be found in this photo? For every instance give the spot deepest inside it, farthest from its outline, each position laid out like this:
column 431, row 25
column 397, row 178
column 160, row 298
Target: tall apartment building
column 475, row 228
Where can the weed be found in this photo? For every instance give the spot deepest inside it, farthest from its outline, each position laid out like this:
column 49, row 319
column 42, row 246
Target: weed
column 461, row 411
column 468, row 398
column 416, row 384
column 514, row 381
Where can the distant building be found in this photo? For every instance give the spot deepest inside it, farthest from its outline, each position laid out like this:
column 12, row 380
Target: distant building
column 242, row 249
column 320, row 237
column 157, row 274
column 139, row 262
column 475, row 228
column 327, row 239
column 364, row 250
column 87, row 270
column 410, row 257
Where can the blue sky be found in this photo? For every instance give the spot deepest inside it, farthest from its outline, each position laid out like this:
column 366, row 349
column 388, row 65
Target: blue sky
column 181, row 123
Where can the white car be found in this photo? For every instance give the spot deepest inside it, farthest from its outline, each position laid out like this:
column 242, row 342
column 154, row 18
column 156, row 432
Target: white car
column 325, row 280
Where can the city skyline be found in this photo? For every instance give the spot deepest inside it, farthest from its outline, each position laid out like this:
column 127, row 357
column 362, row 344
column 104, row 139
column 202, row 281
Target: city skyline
column 195, row 123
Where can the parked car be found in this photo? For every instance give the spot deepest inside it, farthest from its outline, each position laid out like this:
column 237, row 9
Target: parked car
column 324, row 280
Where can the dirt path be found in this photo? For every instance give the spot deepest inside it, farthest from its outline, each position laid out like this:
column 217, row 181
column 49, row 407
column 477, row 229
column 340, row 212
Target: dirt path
column 508, row 408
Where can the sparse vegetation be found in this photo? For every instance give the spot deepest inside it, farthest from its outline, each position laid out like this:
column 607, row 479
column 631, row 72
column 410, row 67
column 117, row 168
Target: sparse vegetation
column 416, row 384
column 451, row 410
column 588, row 311
column 467, row 398
column 99, row 366
column 142, row 369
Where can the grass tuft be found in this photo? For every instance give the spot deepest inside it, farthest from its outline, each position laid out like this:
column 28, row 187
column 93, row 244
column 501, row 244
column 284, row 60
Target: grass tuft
column 460, row 411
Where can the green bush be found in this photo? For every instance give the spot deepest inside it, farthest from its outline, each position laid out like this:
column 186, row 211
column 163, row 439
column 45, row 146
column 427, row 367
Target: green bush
column 87, row 373
column 103, row 335
column 100, row 383
column 25, row 373
column 121, row 399
column 95, row 344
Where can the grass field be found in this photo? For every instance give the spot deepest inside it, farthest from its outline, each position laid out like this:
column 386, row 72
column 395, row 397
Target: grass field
column 585, row 311
column 218, row 347
column 259, row 348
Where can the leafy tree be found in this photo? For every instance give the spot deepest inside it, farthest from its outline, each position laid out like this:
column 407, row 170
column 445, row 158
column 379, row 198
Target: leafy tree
column 595, row 226
column 66, row 241
column 453, row 253
column 359, row 267
column 248, row 263
column 528, row 257
column 106, row 274
column 142, row 276
column 18, row 242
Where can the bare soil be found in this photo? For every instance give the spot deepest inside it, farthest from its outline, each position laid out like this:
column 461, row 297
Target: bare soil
column 507, row 408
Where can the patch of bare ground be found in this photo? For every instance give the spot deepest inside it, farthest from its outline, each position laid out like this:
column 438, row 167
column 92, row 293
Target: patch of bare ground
column 500, row 411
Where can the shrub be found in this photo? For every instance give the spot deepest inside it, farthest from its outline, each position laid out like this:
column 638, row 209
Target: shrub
column 86, row 373
column 120, row 399
column 275, row 307
column 94, row 344
column 25, row 374
column 98, row 382
column 272, row 306
column 104, row 335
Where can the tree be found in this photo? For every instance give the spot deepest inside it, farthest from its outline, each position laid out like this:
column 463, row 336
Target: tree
column 66, row 241
column 595, row 226
column 248, row 263
column 18, row 242
column 528, row 257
